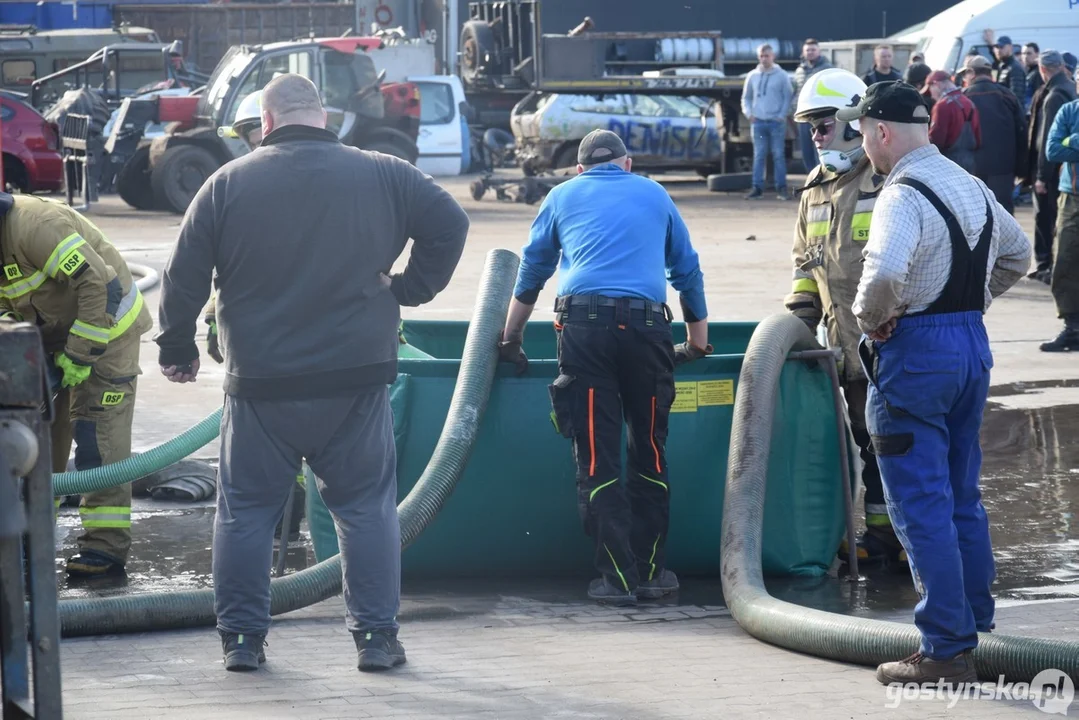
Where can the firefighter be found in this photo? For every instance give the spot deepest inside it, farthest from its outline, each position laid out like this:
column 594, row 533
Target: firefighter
column 833, row 225
column 247, row 127
column 63, row 275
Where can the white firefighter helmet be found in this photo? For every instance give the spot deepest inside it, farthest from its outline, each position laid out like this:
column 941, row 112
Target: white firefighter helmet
column 826, row 92
column 823, row 94
column 249, row 114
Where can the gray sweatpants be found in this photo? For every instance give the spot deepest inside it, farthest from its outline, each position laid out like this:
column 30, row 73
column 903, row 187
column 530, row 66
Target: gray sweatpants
column 348, row 442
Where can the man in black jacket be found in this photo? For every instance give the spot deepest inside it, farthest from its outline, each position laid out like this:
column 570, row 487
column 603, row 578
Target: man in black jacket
column 302, row 233
column 882, row 69
column 999, row 159
column 1058, row 89
column 1010, row 72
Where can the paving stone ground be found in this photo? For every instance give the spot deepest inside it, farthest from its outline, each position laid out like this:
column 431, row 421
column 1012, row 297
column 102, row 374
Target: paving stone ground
column 512, row 657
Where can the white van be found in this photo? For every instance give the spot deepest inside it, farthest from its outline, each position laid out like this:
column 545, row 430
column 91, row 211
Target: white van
column 443, row 139
column 949, row 36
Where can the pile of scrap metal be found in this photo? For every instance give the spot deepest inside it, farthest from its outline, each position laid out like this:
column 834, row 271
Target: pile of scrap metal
column 497, row 151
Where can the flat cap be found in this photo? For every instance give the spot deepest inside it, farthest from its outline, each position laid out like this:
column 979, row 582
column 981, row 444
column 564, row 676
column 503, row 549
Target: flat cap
column 977, row 62
column 600, row 146
column 1051, row 59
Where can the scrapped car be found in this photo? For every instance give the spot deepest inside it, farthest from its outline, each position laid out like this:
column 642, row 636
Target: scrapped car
column 661, row 132
column 31, row 147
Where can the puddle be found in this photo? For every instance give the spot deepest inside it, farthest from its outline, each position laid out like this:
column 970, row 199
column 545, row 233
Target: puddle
column 1030, row 483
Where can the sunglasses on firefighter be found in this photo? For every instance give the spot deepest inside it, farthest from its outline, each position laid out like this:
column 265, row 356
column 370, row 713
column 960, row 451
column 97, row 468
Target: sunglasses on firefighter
column 823, row 127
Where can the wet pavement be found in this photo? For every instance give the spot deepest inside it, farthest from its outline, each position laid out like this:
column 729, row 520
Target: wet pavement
column 1030, row 482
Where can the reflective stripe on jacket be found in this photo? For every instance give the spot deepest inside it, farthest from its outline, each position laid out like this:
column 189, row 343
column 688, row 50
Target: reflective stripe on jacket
column 834, row 217
column 62, row 274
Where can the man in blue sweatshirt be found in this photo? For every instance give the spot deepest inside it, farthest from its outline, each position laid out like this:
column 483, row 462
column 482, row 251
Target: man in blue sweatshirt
column 617, row 238
column 766, row 101
column 1062, row 146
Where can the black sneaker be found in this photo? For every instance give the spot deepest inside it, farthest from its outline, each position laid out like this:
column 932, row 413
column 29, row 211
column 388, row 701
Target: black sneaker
column 783, row 195
column 662, row 583
column 378, row 650
column 604, row 592
column 243, row 651
column 755, row 194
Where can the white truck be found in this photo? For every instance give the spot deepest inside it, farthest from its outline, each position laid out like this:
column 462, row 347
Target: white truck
column 949, row 36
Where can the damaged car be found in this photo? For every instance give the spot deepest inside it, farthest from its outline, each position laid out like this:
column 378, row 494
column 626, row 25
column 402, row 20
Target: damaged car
column 661, row 132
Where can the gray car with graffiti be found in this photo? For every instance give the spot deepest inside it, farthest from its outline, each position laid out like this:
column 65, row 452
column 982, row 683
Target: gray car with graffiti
column 661, row 132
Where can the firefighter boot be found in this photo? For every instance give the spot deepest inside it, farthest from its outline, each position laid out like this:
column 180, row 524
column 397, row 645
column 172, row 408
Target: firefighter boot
column 605, row 593
column 243, row 651
column 1068, row 339
column 665, row 582
column 920, row 670
column 878, row 544
column 93, row 563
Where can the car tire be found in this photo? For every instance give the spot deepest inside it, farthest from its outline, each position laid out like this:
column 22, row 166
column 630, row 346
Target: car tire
column 179, row 173
column 477, row 42
column 477, row 188
column 15, row 179
column 134, row 183
column 566, row 157
column 734, row 182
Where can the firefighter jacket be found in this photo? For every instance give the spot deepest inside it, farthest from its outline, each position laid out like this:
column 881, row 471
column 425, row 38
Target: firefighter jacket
column 63, row 275
column 834, row 214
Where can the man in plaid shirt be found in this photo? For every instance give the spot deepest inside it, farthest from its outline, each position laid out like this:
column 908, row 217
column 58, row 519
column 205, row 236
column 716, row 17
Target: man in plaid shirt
column 940, row 249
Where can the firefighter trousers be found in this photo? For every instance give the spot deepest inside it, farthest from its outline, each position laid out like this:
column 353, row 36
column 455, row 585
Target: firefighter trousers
column 97, row 415
column 929, row 384
column 876, row 511
column 615, row 366
column 348, row 443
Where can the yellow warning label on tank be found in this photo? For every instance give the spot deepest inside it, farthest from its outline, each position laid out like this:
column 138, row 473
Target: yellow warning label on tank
column 715, row 392
column 685, row 397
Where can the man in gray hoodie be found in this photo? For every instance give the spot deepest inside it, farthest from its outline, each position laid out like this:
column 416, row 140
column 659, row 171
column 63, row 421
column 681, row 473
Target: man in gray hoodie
column 766, row 101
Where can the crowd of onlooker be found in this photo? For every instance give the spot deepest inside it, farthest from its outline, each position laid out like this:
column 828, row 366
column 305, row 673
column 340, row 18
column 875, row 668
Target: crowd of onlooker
column 1011, row 120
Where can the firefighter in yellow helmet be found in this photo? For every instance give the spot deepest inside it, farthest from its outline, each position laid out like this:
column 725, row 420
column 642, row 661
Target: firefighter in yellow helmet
column 61, row 273
column 834, row 214
column 247, row 126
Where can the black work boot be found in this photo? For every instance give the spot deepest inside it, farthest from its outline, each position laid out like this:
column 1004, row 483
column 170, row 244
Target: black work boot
column 378, row 650
column 1067, row 340
column 920, row 670
column 243, row 651
column 662, row 583
column 93, row 563
column 604, row 592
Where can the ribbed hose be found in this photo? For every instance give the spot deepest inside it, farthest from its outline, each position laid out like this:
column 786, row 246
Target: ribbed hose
column 173, row 610
column 827, row 635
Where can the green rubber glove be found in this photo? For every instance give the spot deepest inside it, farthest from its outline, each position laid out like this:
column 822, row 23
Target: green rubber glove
column 74, row 373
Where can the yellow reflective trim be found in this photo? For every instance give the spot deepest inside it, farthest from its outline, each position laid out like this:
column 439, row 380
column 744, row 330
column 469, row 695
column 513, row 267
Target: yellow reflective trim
column 593, row 494
column 61, row 257
column 106, row 523
column 825, row 91
column 106, row 517
column 653, row 480
column 817, row 229
column 652, row 560
column 128, row 318
column 12, row 271
column 90, row 332
column 19, row 289
column 106, row 510
column 805, row 285
column 859, row 226
column 110, row 398
column 620, row 575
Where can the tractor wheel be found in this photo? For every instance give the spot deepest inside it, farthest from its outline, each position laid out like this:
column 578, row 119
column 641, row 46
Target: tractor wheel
column 133, row 181
column 477, row 51
column 179, row 174
column 478, row 189
column 397, row 149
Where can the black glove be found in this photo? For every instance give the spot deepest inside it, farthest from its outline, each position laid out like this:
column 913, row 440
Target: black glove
column 511, row 352
column 684, row 352
column 211, row 344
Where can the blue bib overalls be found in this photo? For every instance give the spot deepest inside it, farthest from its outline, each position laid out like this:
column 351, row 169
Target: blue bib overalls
column 928, row 386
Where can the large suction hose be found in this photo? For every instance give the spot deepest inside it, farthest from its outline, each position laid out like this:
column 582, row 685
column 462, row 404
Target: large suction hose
column 827, row 635
column 173, row 610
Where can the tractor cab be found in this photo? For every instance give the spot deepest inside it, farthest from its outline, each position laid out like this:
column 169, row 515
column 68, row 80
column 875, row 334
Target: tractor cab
column 351, row 88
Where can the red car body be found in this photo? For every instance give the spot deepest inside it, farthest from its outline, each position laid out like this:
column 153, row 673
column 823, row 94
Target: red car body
column 31, row 147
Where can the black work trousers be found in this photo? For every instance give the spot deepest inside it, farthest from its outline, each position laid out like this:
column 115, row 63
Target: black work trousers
column 1045, row 223
column 617, row 363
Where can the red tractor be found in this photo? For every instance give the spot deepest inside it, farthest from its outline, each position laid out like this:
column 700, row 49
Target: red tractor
column 166, row 172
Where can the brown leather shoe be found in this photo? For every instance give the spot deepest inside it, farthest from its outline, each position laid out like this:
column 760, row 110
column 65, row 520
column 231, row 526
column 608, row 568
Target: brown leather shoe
column 921, row 670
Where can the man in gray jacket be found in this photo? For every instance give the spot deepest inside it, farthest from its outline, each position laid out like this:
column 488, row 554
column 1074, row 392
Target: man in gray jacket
column 812, row 63
column 303, row 232
column 766, row 102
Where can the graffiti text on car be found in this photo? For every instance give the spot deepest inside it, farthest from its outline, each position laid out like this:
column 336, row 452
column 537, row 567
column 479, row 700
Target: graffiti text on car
column 662, row 139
